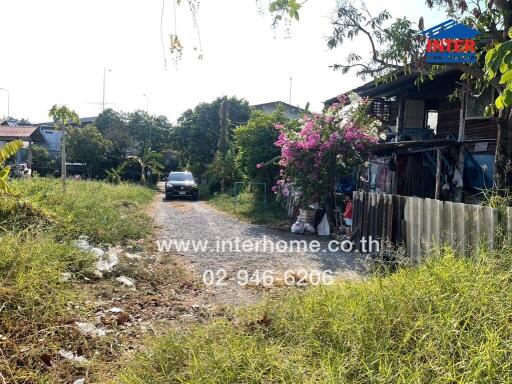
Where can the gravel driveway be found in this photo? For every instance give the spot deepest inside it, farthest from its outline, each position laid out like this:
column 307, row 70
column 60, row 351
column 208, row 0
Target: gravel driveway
column 190, row 221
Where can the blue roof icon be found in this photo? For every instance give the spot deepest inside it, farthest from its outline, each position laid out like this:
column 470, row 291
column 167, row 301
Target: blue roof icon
column 450, row 29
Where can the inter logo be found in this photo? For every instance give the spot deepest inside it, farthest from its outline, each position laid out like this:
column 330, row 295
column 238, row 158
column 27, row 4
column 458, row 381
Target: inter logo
column 450, row 42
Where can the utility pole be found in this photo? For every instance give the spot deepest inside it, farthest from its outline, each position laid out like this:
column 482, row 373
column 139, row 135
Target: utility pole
column 8, row 101
column 104, row 76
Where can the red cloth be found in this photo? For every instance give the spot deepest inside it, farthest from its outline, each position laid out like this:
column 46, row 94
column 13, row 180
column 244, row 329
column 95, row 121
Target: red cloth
column 348, row 210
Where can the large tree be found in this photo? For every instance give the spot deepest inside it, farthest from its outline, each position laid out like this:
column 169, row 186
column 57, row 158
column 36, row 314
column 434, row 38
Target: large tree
column 87, row 145
column 256, row 152
column 114, row 127
column 196, row 137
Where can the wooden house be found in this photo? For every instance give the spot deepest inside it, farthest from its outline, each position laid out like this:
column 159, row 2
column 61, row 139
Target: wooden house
column 439, row 143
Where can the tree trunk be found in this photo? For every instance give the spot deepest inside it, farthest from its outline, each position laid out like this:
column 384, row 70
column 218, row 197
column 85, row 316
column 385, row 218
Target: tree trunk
column 63, row 158
column 503, row 160
column 143, row 175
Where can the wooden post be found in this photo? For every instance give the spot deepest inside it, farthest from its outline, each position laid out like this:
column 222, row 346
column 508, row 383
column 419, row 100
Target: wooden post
column 63, row 157
column 401, row 117
column 438, row 174
column 29, row 157
column 462, row 128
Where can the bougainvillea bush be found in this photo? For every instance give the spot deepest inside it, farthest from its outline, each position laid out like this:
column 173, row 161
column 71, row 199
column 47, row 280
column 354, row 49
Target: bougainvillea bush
column 324, row 146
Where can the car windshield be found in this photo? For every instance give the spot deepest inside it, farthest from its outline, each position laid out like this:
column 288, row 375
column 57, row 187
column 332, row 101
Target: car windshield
column 181, row 176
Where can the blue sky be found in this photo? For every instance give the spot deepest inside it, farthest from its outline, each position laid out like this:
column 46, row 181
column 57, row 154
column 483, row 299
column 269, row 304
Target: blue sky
column 54, row 51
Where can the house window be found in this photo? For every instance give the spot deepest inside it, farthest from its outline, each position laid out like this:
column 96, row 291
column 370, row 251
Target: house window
column 475, row 106
column 432, row 119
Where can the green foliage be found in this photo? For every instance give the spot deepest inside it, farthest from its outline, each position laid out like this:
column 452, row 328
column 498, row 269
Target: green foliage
column 445, row 321
column 151, row 131
column 115, row 175
column 257, row 156
column 148, row 161
column 6, row 152
column 113, row 127
column 42, row 162
column 498, row 64
column 222, row 173
column 87, row 145
column 196, row 136
column 284, row 10
column 133, row 132
column 63, row 116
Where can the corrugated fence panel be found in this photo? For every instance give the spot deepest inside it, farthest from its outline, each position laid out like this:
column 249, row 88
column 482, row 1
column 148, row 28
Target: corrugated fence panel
column 420, row 224
column 454, row 229
column 490, row 222
column 432, row 224
column 414, row 226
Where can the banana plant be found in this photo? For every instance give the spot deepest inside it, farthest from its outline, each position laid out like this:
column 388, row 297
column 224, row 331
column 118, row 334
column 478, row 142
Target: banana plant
column 115, row 174
column 6, row 152
column 148, row 161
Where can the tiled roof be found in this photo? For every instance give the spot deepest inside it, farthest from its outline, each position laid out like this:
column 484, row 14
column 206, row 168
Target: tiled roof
column 21, row 132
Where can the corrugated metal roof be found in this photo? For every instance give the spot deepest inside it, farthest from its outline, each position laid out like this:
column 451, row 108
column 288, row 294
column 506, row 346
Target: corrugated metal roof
column 21, row 132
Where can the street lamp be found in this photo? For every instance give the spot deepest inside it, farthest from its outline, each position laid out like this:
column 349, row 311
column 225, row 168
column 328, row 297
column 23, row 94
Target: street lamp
column 8, row 101
column 104, row 76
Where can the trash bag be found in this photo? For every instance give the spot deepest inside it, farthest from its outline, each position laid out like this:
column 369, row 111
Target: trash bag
column 323, row 228
column 308, row 228
column 298, row 227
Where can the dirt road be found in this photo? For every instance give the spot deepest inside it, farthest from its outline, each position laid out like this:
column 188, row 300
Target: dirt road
column 183, row 223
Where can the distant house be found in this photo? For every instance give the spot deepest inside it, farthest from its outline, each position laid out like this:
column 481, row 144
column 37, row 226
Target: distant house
column 290, row 111
column 53, row 136
column 28, row 134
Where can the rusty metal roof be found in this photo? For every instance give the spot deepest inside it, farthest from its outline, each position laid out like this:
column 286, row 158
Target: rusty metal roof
column 21, row 133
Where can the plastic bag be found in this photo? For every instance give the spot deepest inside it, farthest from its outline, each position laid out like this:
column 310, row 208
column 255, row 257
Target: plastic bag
column 323, row 228
column 298, row 227
column 308, row 228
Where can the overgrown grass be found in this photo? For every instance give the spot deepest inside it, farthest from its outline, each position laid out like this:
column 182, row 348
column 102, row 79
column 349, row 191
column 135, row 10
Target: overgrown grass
column 106, row 213
column 35, row 251
column 250, row 207
column 447, row 321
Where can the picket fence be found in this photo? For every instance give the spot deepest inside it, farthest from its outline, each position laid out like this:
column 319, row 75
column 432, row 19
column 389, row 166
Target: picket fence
column 418, row 224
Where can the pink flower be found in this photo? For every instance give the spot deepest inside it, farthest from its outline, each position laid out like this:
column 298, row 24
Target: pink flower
column 274, row 189
column 260, row 165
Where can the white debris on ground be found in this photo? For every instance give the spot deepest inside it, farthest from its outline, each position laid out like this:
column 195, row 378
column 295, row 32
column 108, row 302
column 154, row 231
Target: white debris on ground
column 115, row 310
column 105, row 261
column 89, row 329
column 133, row 256
column 73, row 357
column 126, row 281
column 79, row 381
column 65, row 276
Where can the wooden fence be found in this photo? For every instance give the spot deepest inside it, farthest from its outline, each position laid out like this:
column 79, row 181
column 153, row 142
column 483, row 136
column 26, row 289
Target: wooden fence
column 418, row 224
